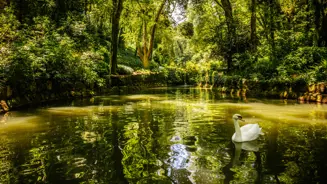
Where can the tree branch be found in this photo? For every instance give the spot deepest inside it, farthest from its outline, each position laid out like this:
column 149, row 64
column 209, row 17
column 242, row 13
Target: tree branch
column 218, row 3
column 154, row 27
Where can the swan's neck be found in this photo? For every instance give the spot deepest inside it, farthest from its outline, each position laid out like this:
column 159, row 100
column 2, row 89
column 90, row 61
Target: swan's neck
column 238, row 135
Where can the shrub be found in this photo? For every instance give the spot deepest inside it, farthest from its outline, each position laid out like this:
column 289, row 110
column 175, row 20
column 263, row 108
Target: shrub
column 303, row 59
column 127, row 57
column 192, row 72
column 174, row 74
column 124, row 70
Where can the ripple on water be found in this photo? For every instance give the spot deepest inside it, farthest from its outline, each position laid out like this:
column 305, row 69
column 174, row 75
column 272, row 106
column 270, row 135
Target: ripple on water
column 176, row 137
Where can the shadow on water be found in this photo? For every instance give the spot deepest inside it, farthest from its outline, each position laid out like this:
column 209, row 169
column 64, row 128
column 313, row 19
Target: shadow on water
column 167, row 135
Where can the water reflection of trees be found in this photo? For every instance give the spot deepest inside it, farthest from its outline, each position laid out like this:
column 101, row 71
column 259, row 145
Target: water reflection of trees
column 142, row 153
column 303, row 149
column 177, row 141
column 70, row 150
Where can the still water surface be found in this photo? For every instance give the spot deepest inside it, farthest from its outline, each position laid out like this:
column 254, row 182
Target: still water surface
column 177, row 135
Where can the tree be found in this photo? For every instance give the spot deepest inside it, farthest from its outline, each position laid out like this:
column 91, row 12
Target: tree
column 253, row 25
column 117, row 9
column 145, row 52
column 320, row 21
column 226, row 5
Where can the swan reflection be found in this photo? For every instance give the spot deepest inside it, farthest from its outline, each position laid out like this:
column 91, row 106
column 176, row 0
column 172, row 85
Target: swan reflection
column 246, row 167
column 251, row 146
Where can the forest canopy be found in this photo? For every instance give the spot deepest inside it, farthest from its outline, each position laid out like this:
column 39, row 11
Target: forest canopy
column 83, row 41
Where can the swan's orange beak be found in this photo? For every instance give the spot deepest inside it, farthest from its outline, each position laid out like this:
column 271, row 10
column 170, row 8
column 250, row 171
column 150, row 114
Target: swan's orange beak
column 242, row 120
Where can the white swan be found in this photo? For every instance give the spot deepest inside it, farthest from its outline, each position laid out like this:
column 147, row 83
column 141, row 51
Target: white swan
column 247, row 132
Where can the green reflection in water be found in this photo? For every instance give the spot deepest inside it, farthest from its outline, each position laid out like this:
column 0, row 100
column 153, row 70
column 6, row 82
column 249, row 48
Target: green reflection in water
column 166, row 135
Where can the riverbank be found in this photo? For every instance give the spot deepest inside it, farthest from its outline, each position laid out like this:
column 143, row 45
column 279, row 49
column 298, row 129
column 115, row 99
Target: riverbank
column 114, row 84
column 292, row 89
column 117, row 84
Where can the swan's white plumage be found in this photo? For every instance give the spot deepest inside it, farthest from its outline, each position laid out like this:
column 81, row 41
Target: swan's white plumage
column 247, row 132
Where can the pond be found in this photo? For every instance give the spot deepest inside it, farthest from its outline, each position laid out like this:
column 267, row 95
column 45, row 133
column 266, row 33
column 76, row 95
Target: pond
column 164, row 135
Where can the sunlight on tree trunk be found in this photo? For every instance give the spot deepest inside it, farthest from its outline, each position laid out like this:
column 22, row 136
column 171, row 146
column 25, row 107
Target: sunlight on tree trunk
column 145, row 52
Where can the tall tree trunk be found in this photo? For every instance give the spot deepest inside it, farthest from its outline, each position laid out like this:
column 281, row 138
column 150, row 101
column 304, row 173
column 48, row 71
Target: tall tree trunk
column 22, row 5
column 323, row 32
column 253, row 26
column 323, row 29
column 226, row 5
column 271, row 6
column 146, row 52
column 121, row 42
column 85, row 7
column 138, row 41
column 317, row 21
column 145, row 49
column 308, row 42
column 320, row 22
column 154, row 27
column 118, row 7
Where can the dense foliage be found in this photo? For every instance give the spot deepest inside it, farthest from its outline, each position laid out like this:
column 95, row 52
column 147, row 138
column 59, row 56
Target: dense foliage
column 66, row 43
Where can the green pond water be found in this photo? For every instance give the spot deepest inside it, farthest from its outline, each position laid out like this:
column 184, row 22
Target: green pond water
column 167, row 135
